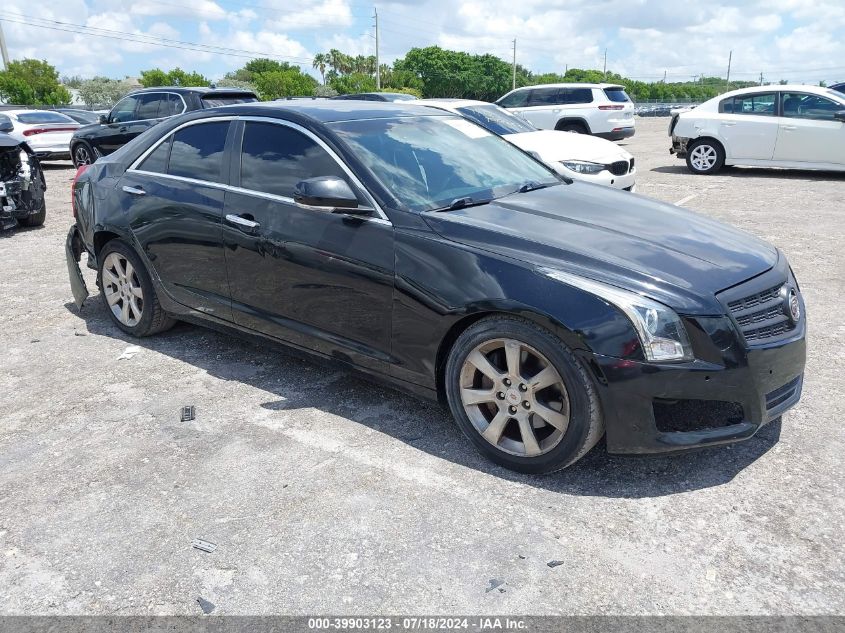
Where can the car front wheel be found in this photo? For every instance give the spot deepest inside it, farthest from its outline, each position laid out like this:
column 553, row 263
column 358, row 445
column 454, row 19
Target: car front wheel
column 705, row 156
column 128, row 293
column 82, row 154
column 521, row 396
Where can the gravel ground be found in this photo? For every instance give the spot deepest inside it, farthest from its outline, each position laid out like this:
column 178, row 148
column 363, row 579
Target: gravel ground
column 325, row 494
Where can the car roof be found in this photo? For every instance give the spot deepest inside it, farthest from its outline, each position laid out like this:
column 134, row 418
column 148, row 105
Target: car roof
column 572, row 85
column 778, row 88
column 203, row 90
column 452, row 103
column 327, row 111
column 33, row 111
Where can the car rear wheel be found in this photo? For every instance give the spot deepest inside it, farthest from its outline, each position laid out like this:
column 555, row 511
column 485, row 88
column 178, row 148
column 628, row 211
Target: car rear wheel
column 575, row 128
column 82, row 154
column 521, row 397
column 128, row 293
column 705, row 156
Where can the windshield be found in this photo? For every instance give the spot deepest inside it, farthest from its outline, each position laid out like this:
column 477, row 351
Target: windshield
column 428, row 162
column 496, row 119
column 43, row 117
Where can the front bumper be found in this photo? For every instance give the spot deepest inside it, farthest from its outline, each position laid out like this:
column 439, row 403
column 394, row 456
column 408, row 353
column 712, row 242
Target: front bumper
column 679, row 146
column 52, row 154
column 759, row 384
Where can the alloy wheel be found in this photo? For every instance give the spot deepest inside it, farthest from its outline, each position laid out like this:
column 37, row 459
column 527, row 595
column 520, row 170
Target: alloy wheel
column 703, row 157
column 514, row 397
column 82, row 156
column 122, row 288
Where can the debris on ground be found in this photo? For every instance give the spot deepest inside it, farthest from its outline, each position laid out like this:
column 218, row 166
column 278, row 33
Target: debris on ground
column 205, row 546
column 206, row 606
column 495, row 584
column 554, row 563
column 129, row 352
column 188, row 413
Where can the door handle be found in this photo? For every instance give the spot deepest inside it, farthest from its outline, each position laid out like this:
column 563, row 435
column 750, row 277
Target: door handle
column 135, row 191
column 245, row 224
column 789, row 127
column 728, row 123
column 123, row 129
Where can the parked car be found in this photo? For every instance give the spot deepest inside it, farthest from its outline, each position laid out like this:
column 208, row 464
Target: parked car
column 423, row 250
column 140, row 110
column 798, row 127
column 47, row 133
column 83, row 117
column 578, row 156
column 838, row 87
column 376, row 96
column 22, row 183
column 603, row 110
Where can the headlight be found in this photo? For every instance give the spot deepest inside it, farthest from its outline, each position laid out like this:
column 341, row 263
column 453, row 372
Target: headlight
column 582, row 166
column 661, row 333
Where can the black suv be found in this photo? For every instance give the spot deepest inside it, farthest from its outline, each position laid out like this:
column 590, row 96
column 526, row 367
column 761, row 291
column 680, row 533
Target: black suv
column 142, row 109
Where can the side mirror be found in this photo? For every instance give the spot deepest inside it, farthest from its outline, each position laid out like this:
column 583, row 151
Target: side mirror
column 6, row 126
column 104, row 118
column 330, row 192
column 839, row 115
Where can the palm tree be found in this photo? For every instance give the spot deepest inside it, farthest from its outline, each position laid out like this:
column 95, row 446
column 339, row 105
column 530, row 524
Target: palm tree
column 320, row 62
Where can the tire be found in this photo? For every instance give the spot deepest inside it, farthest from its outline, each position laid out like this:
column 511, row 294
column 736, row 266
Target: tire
column 82, row 154
column 508, row 412
column 128, row 293
column 705, row 156
column 35, row 219
column 577, row 128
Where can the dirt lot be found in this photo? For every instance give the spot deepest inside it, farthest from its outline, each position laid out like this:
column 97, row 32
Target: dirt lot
column 325, row 494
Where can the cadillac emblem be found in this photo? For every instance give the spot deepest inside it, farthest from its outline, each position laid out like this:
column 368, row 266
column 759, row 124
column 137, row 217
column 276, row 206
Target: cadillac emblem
column 793, row 305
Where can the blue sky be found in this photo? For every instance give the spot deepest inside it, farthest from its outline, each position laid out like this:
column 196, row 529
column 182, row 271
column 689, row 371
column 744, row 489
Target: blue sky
column 797, row 40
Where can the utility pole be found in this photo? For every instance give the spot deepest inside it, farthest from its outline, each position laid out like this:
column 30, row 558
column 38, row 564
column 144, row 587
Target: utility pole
column 378, row 66
column 728, row 80
column 3, row 50
column 761, row 77
column 664, row 76
column 605, row 64
column 513, row 82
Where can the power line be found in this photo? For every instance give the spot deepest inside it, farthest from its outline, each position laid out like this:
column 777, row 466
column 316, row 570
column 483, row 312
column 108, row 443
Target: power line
column 152, row 40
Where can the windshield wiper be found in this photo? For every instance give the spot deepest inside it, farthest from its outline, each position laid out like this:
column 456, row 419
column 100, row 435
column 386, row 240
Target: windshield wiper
column 462, row 203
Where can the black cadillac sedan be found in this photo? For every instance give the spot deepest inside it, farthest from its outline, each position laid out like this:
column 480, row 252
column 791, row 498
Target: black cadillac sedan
column 420, row 249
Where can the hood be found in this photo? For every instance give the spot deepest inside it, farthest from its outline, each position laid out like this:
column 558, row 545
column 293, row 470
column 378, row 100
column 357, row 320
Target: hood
column 555, row 146
column 7, row 141
column 664, row 252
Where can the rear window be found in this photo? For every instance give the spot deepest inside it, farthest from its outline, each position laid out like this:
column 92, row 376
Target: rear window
column 617, row 94
column 43, row 117
column 212, row 101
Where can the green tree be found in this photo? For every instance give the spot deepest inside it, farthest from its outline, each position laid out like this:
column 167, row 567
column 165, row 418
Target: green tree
column 321, row 60
column 284, row 83
column 32, row 82
column 230, row 82
column 176, row 77
column 102, row 91
column 353, row 82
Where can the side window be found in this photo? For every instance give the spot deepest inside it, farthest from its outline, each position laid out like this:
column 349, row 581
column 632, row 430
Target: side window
column 197, row 151
column 148, row 106
column 514, row 100
column 124, row 110
column 275, row 157
column 170, row 105
column 764, row 104
column 544, row 96
column 157, row 160
column 571, row 96
column 804, row 106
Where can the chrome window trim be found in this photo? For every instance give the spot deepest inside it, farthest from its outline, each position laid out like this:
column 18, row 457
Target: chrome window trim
column 380, row 218
column 141, row 94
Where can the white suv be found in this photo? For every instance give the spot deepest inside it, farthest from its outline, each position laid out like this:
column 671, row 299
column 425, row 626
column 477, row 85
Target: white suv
column 600, row 109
